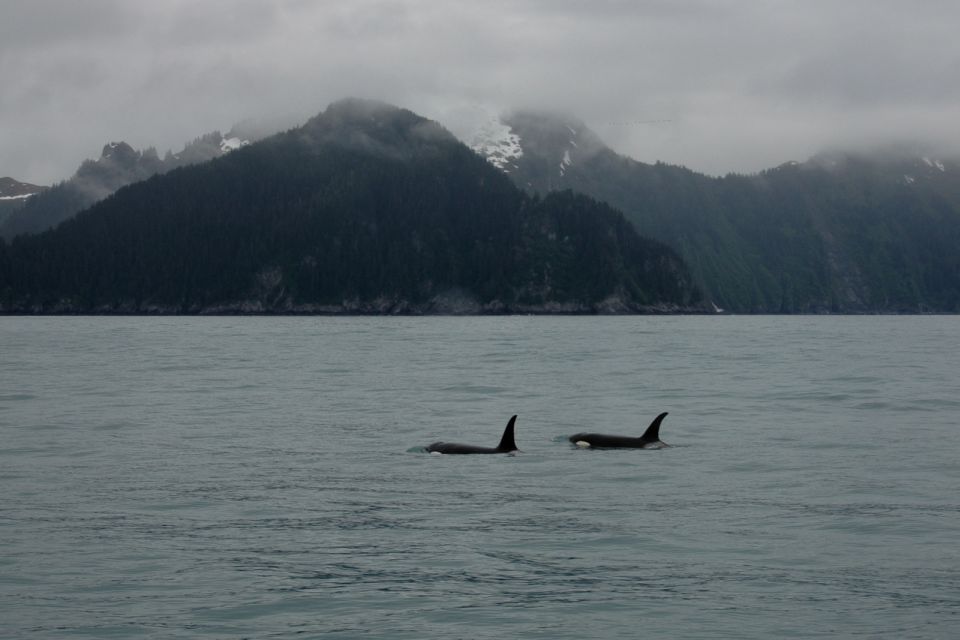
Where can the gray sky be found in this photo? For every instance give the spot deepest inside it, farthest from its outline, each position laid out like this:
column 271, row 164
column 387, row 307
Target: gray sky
column 742, row 84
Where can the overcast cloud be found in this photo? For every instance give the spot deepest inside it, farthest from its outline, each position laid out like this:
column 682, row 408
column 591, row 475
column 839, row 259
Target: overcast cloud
column 716, row 85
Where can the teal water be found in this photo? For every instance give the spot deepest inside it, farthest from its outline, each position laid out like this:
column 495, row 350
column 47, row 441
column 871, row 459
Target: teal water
column 262, row 477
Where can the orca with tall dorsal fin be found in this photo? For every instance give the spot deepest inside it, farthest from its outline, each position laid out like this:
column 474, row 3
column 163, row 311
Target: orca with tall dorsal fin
column 649, row 440
column 507, row 444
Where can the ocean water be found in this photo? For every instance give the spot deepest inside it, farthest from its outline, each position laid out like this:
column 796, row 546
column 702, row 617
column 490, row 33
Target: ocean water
column 265, row 478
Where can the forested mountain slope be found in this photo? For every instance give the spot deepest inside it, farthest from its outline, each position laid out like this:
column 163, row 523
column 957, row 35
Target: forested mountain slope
column 838, row 233
column 365, row 209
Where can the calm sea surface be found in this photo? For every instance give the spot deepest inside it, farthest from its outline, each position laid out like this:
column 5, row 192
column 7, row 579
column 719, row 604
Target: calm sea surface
column 265, row 478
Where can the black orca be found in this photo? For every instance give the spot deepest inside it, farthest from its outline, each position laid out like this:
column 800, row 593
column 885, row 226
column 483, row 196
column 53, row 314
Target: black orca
column 507, row 444
column 649, row 440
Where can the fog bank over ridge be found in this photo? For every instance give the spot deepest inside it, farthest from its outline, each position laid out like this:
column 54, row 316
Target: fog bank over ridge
column 716, row 86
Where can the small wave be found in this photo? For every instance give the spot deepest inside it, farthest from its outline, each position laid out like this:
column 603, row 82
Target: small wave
column 16, row 397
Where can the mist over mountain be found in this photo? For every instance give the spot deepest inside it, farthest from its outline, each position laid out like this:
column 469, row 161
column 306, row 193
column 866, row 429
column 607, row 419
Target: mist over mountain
column 841, row 232
column 366, row 208
column 119, row 164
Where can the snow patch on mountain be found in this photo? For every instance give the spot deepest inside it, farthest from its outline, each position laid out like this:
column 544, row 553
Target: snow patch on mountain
column 11, row 189
column 480, row 127
column 232, row 144
column 496, row 142
column 566, row 162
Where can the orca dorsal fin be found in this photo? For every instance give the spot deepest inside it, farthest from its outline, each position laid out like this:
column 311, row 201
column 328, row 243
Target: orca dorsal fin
column 652, row 434
column 507, row 443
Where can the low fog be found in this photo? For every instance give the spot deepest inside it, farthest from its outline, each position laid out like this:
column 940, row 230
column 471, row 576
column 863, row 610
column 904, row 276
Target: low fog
column 718, row 86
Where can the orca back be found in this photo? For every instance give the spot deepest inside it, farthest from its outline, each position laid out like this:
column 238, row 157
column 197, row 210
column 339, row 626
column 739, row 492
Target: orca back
column 650, row 438
column 454, row 447
column 605, row 440
column 507, row 444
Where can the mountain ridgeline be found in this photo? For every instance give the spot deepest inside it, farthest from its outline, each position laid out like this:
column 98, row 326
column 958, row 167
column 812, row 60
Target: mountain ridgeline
column 840, row 233
column 119, row 165
column 365, row 209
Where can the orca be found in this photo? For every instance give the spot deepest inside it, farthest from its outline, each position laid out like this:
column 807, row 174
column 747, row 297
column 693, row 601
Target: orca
column 507, row 444
column 649, row 440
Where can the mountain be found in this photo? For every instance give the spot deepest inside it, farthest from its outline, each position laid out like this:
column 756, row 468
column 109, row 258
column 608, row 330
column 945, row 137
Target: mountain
column 840, row 233
column 366, row 208
column 14, row 195
column 119, row 165
column 11, row 189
